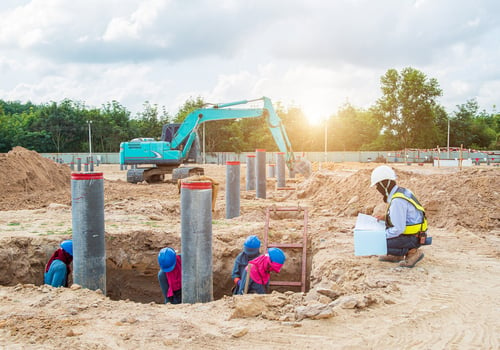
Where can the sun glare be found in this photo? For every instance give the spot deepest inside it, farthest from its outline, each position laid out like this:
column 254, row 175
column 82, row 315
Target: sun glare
column 316, row 113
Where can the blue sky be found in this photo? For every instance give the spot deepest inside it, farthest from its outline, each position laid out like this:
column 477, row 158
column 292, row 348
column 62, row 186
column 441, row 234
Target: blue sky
column 313, row 54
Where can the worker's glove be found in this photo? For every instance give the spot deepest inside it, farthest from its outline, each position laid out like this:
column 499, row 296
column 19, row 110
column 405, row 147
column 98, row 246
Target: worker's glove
column 237, row 281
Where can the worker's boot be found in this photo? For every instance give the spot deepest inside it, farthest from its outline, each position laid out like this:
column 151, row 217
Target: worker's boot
column 414, row 256
column 391, row 258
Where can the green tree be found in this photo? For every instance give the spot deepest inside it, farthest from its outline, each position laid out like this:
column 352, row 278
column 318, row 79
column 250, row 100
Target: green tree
column 65, row 124
column 111, row 125
column 190, row 105
column 15, row 124
column 471, row 128
column 495, row 125
column 461, row 123
column 149, row 122
column 26, row 136
column 228, row 138
column 407, row 110
column 352, row 128
column 15, row 107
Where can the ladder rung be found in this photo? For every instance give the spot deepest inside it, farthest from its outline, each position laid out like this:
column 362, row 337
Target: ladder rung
column 286, row 209
column 286, row 245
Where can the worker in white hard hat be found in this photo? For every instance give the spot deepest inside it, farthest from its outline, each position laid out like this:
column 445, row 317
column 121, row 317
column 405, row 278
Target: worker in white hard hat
column 405, row 221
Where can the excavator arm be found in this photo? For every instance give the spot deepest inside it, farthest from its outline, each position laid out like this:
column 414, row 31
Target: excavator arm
column 176, row 146
column 186, row 133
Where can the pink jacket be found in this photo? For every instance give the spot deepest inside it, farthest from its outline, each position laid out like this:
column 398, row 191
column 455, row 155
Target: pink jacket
column 261, row 269
column 174, row 277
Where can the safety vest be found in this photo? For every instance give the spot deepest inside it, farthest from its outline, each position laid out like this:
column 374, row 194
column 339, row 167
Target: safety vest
column 413, row 228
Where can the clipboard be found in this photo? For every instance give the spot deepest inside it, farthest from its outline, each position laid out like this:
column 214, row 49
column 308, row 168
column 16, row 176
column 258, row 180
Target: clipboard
column 369, row 236
column 369, row 243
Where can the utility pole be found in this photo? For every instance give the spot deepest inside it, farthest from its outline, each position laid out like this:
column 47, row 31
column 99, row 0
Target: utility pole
column 89, row 122
column 204, row 156
column 448, row 140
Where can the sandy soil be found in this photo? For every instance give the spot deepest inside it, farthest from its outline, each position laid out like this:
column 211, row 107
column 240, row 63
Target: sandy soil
column 448, row 301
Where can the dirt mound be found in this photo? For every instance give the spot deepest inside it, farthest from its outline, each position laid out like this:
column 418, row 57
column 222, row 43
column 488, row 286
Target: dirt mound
column 354, row 302
column 31, row 181
column 467, row 198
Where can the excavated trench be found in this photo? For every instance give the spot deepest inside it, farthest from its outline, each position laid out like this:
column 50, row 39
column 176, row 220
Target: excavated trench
column 131, row 265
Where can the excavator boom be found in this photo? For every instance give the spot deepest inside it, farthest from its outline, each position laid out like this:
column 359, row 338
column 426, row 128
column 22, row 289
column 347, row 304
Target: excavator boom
column 177, row 147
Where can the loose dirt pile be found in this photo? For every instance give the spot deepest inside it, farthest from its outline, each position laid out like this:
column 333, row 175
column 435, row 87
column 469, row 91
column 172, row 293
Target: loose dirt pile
column 351, row 302
column 30, row 181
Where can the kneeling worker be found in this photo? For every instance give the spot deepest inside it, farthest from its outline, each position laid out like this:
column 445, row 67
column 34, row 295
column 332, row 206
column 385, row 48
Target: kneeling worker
column 405, row 219
column 170, row 275
column 57, row 269
column 251, row 250
column 260, row 270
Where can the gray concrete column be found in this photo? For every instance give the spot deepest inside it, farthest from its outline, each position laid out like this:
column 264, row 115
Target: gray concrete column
column 196, row 241
column 271, row 170
column 250, row 178
column 260, row 173
column 79, row 164
column 280, row 169
column 89, row 251
column 232, row 189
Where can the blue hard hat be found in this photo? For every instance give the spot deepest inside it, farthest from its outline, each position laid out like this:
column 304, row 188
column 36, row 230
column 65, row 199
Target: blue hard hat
column 276, row 255
column 167, row 259
column 251, row 247
column 67, row 246
column 252, row 242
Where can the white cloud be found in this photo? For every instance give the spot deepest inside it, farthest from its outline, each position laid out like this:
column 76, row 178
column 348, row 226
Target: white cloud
column 131, row 27
column 487, row 96
column 314, row 54
column 30, row 24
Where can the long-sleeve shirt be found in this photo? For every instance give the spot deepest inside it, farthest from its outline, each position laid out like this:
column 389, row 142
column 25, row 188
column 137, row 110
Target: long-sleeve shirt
column 402, row 213
column 240, row 263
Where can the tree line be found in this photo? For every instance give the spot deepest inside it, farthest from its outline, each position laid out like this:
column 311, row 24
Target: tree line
column 407, row 115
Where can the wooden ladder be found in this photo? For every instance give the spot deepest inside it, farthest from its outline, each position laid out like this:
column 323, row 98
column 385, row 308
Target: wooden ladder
column 303, row 245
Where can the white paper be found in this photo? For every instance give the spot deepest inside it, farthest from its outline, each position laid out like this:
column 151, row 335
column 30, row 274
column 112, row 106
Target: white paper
column 368, row 222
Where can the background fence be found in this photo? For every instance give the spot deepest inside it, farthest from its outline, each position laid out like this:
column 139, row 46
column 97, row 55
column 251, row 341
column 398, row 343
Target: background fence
column 408, row 156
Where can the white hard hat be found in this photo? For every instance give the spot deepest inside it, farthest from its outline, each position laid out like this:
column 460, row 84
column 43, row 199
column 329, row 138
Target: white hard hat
column 382, row 172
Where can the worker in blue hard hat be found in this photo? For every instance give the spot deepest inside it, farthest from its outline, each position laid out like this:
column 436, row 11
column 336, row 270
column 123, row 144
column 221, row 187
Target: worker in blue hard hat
column 251, row 250
column 170, row 275
column 58, row 266
column 257, row 274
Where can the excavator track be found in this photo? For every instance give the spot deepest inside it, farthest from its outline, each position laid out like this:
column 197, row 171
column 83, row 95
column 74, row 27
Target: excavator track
column 157, row 174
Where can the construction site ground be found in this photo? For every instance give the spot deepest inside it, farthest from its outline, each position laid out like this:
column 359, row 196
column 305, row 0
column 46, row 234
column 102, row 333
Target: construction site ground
column 449, row 300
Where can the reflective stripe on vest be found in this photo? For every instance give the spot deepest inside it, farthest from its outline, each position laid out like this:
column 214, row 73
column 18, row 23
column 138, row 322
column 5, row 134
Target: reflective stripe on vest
column 414, row 228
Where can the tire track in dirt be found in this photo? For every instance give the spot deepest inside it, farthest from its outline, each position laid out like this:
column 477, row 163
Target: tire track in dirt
column 450, row 298
column 460, row 312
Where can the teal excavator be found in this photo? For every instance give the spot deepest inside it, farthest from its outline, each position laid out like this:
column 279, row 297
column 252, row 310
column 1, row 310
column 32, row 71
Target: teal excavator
column 179, row 144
